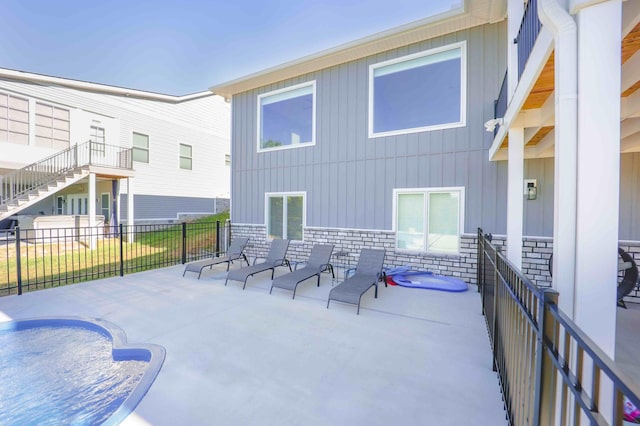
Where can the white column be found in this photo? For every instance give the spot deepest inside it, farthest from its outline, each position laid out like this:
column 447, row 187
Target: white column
column 515, row 192
column 92, row 210
column 130, row 210
column 515, row 11
column 563, row 27
column 599, row 40
column 118, row 196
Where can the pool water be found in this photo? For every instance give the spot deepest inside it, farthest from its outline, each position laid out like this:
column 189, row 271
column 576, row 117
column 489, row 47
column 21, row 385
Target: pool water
column 62, row 375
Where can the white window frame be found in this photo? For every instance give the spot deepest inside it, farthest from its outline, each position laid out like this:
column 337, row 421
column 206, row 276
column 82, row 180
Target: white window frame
column 107, row 217
column 268, row 195
column 147, row 149
column 426, row 192
column 463, row 90
column 313, row 117
column 181, row 157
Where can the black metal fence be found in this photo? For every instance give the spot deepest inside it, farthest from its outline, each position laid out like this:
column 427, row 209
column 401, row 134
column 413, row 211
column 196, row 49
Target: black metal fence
column 550, row 371
column 33, row 259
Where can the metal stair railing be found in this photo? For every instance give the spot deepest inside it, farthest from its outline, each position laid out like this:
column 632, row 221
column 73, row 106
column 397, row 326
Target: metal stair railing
column 47, row 171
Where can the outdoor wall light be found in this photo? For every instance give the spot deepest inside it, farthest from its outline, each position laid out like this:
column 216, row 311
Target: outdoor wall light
column 531, row 189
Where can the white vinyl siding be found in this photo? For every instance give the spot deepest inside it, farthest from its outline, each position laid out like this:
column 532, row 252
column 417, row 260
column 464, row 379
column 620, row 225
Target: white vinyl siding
column 140, row 151
column 14, row 119
column 285, row 215
column 287, row 117
column 429, row 219
column 186, row 157
column 419, row 92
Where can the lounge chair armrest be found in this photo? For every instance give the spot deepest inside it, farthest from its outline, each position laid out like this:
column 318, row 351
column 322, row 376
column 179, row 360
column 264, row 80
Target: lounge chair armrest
column 297, row 263
column 281, row 262
column 255, row 260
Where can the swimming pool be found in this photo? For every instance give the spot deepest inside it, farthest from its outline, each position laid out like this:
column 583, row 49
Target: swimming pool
column 71, row 371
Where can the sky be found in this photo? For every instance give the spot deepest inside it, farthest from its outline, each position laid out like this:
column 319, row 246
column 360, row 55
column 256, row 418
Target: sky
column 182, row 47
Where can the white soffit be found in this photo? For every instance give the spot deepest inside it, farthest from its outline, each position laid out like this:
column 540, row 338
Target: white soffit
column 472, row 13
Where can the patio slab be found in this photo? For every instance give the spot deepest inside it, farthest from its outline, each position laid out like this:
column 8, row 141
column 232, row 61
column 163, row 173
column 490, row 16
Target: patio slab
column 246, row 357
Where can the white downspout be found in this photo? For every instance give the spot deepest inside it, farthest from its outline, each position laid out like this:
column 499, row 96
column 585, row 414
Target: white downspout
column 563, row 27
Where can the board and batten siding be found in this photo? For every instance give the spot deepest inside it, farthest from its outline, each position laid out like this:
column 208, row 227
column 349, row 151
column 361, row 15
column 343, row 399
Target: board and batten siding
column 203, row 123
column 348, row 177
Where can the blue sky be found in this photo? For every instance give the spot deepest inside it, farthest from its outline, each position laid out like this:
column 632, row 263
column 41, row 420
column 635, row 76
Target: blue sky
column 180, row 47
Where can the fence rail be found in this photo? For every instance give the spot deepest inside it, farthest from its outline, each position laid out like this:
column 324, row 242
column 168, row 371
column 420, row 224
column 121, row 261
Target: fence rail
column 33, row 259
column 550, row 371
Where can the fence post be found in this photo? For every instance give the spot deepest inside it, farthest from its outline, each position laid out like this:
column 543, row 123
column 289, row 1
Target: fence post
column 184, row 242
column 544, row 380
column 18, row 261
column 479, row 266
column 121, row 252
column 494, row 320
column 217, row 238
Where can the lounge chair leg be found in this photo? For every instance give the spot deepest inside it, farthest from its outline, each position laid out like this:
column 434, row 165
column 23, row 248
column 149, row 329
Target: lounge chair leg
column 185, row 271
column 294, row 293
column 318, row 280
column 358, row 311
column 376, row 293
column 328, row 300
column 270, row 290
column 225, row 282
column 200, row 273
column 245, row 283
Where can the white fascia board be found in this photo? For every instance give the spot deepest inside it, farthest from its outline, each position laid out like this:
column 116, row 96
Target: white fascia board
column 96, row 87
column 535, row 64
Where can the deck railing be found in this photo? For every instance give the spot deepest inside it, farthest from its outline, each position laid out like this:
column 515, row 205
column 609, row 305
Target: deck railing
column 34, row 259
column 500, row 105
column 528, row 34
column 21, row 182
column 550, row 371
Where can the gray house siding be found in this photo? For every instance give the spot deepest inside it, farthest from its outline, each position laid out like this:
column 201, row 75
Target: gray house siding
column 538, row 214
column 348, row 177
column 162, row 208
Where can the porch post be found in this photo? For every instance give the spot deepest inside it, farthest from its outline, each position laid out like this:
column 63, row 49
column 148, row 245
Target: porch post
column 130, row 210
column 91, row 211
column 599, row 69
column 515, row 10
column 515, row 200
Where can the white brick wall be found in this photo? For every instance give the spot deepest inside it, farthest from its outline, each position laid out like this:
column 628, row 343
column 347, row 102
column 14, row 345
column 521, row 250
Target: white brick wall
column 535, row 252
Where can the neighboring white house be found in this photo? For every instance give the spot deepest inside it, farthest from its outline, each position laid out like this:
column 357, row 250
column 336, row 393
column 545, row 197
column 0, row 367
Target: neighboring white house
column 165, row 156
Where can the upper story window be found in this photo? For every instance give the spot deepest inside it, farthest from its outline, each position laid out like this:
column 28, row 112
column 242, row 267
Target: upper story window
column 414, row 93
column 140, row 151
column 97, row 138
column 52, row 126
column 14, row 119
column 429, row 219
column 286, row 117
column 186, row 157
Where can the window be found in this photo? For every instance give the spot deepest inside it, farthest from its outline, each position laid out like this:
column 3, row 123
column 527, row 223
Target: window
column 59, row 205
column 14, row 119
column 140, row 151
column 105, row 204
column 52, row 126
column 97, row 139
column 285, row 215
column 286, row 118
column 424, row 91
column 429, row 220
column 185, row 156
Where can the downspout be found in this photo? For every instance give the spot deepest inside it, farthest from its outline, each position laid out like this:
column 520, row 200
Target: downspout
column 563, row 27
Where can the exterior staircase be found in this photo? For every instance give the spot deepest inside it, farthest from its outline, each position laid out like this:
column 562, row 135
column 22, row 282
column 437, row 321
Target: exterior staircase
column 31, row 184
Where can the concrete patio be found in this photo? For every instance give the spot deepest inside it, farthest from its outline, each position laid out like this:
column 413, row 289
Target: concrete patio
column 412, row 357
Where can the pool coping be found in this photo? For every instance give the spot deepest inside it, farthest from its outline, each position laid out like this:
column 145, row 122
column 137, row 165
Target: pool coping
column 121, row 350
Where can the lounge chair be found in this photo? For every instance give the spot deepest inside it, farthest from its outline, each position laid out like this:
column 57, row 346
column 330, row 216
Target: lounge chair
column 367, row 274
column 318, row 262
column 234, row 252
column 276, row 257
